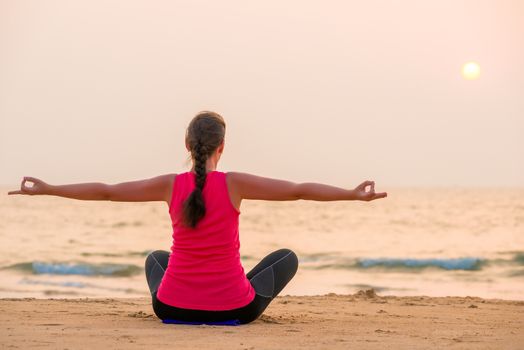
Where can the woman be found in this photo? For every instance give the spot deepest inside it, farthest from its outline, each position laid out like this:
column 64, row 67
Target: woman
column 202, row 280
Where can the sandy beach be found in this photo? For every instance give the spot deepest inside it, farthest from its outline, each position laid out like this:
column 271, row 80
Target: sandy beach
column 363, row 320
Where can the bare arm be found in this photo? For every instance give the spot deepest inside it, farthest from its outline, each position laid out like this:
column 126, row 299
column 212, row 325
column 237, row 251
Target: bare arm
column 247, row 186
column 153, row 189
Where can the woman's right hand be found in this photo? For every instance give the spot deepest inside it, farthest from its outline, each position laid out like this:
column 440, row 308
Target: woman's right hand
column 39, row 187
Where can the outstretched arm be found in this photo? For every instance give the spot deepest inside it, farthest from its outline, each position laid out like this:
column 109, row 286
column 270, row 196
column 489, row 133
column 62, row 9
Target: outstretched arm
column 153, row 189
column 247, row 186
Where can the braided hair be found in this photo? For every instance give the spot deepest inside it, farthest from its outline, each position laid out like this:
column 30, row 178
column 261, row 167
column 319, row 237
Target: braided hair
column 204, row 135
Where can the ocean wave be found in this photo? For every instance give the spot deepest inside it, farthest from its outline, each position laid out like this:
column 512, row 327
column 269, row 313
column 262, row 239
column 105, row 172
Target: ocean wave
column 142, row 253
column 469, row 264
column 70, row 268
column 519, row 258
column 393, row 264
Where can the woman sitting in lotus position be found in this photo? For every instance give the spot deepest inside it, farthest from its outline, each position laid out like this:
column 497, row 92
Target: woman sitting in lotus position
column 202, row 278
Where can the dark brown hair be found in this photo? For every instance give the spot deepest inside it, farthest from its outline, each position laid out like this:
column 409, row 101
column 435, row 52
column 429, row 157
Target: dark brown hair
column 204, row 135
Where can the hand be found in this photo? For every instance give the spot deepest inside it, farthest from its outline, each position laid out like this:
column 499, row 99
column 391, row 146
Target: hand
column 39, row 187
column 361, row 194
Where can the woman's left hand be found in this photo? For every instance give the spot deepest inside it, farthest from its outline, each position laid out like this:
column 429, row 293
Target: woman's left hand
column 39, row 187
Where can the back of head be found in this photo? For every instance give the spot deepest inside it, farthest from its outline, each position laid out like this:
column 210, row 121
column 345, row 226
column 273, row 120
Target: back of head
column 204, row 135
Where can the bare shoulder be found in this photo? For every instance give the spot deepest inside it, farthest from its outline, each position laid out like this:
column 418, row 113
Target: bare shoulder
column 167, row 182
column 236, row 180
column 156, row 188
column 162, row 180
column 162, row 185
column 250, row 186
column 235, row 176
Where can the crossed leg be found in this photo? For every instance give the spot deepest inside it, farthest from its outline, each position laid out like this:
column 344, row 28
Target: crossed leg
column 268, row 278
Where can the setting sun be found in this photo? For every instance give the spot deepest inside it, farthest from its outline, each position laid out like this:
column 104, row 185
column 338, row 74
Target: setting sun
column 471, row 70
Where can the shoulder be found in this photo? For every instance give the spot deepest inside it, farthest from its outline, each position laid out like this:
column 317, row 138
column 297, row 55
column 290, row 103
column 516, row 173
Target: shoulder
column 166, row 179
column 241, row 181
column 232, row 179
column 165, row 183
column 240, row 177
column 237, row 180
column 157, row 182
column 249, row 186
column 235, row 174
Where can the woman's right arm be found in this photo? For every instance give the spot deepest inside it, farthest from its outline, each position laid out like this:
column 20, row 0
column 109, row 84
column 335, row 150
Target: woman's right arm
column 247, row 186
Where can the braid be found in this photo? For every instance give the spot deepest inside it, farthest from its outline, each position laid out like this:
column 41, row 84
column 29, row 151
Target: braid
column 204, row 134
column 194, row 206
column 200, row 165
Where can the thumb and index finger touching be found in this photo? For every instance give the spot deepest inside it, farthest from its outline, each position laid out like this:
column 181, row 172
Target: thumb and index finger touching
column 365, row 184
column 23, row 188
column 371, row 191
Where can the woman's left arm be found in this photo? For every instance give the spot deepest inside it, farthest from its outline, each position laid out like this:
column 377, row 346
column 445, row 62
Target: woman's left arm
column 153, row 189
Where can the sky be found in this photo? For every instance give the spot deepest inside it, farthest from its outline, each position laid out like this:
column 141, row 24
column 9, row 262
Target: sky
column 335, row 92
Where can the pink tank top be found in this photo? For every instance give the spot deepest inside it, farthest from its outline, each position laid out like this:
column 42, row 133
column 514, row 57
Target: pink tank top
column 204, row 271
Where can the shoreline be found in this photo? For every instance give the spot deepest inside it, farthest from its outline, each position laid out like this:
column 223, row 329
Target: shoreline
column 334, row 321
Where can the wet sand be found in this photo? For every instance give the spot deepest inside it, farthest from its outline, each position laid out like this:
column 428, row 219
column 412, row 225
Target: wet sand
column 362, row 320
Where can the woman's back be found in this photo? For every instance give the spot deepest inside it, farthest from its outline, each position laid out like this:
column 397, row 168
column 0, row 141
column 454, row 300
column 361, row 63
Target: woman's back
column 204, row 270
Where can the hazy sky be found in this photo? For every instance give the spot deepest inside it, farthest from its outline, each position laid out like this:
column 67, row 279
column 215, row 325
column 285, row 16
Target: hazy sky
column 325, row 91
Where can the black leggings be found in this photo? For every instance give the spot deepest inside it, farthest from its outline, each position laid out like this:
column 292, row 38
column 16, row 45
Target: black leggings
column 268, row 278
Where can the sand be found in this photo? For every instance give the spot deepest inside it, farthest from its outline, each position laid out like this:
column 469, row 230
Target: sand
column 362, row 320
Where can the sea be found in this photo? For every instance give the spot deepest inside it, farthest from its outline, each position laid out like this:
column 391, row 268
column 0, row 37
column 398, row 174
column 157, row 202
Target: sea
column 418, row 241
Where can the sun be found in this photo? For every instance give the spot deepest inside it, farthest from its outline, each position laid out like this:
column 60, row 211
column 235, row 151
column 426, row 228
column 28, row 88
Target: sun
column 471, row 70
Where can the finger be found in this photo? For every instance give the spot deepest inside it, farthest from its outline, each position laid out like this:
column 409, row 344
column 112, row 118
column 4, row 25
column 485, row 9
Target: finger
column 365, row 184
column 32, row 182
column 380, row 195
column 15, row 192
column 372, row 189
column 32, row 179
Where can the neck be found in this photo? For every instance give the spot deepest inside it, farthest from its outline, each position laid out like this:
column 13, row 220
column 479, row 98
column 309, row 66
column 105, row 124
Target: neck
column 211, row 165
